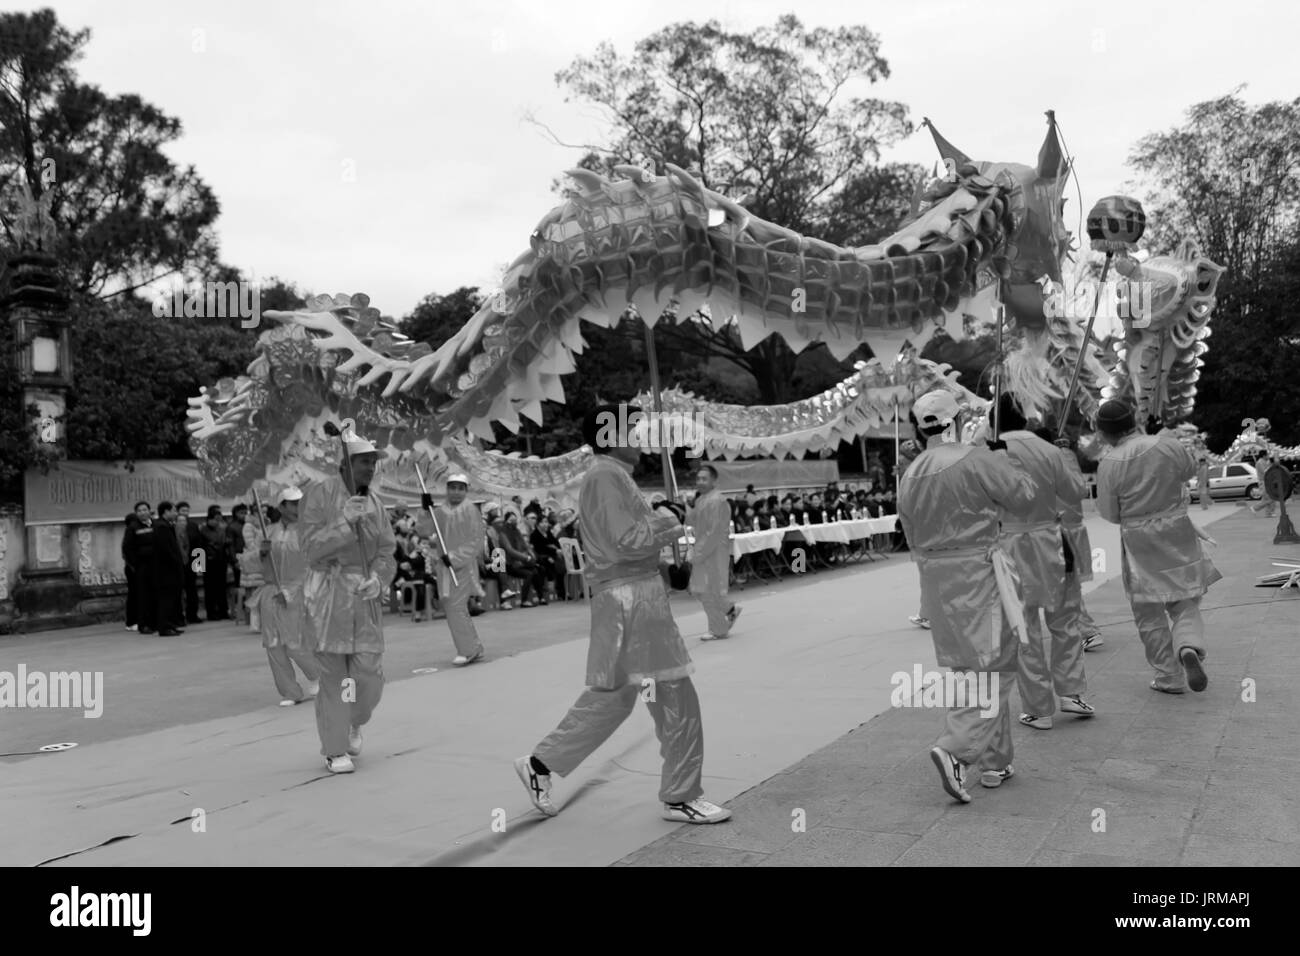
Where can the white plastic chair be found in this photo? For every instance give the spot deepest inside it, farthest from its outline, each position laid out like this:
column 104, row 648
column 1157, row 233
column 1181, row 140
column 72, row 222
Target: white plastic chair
column 574, row 567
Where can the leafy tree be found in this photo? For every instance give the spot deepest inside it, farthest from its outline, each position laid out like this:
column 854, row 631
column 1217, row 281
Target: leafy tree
column 1229, row 178
column 125, row 214
column 438, row 317
column 770, row 119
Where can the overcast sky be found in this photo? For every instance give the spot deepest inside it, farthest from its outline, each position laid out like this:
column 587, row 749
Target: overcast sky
column 422, row 103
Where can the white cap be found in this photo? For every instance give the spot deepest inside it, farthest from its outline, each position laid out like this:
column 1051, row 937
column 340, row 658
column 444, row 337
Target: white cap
column 361, row 447
column 291, row 494
column 458, row 479
column 936, row 408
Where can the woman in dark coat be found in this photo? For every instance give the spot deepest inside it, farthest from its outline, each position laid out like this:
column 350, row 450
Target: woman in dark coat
column 137, row 553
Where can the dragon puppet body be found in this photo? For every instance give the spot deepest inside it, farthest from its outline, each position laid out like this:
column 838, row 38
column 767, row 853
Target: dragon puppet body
column 666, row 246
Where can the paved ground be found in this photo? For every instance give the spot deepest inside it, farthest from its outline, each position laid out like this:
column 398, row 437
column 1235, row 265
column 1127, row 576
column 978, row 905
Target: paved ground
column 191, row 725
column 1155, row 780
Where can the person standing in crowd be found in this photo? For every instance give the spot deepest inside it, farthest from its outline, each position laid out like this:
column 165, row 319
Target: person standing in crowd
column 251, row 579
column 234, row 548
column 1203, row 482
column 213, row 541
column 1141, row 481
column 168, row 573
column 635, row 642
column 710, row 520
column 1032, row 537
column 187, row 537
column 137, row 556
column 950, row 503
column 465, row 537
column 908, row 452
column 349, row 543
column 284, row 569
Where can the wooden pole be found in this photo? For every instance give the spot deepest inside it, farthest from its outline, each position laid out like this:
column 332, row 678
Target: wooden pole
column 1083, row 349
column 666, row 455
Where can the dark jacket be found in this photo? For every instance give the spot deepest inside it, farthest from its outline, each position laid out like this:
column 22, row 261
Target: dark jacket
column 168, row 562
column 213, row 541
column 138, row 546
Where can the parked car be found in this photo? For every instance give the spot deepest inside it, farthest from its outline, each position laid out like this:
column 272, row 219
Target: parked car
column 1230, row 481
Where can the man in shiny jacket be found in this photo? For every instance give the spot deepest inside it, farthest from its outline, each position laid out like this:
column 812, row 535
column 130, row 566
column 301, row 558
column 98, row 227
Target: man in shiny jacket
column 710, row 521
column 1140, row 487
column 949, row 502
column 465, row 536
column 636, row 650
column 349, row 545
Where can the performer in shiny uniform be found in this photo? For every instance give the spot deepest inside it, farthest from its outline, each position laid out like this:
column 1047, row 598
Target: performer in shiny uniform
column 1078, row 558
column 1140, row 486
column 284, row 570
column 636, row 649
column 465, row 535
column 349, row 546
column 710, row 521
column 1032, row 536
column 950, row 501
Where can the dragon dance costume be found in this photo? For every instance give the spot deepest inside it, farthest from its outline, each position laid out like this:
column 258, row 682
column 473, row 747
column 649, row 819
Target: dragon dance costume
column 341, row 624
column 710, row 521
column 1140, row 487
column 1033, row 538
column 465, row 536
column 950, row 501
column 281, row 608
column 636, row 651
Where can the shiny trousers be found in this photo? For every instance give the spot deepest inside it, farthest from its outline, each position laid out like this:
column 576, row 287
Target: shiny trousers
column 282, row 660
column 1087, row 626
column 338, row 709
column 456, row 606
column 595, row 716
column 716, row 607
column 1164, row 643
column 1041, row 682
column 982, row 742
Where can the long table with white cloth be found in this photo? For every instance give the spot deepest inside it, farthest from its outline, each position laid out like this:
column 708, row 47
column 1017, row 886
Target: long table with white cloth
column 833, row 532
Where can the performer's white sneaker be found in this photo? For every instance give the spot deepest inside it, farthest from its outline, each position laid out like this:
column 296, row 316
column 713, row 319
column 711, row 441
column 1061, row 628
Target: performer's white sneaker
column 734, row 613
column 952, row 774
column 1077, row 706
column 994, row 778
column 341, row 764
column 920, row 621
column 1038, row 723
column 698, row 810
column 287, row 702
column 354, row 741
column 1156, row 685
column 537, row 784
column 1092, row 642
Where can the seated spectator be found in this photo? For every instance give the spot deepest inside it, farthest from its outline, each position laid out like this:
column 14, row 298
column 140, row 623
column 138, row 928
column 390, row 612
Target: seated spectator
column 521, row 563
column 549, row 559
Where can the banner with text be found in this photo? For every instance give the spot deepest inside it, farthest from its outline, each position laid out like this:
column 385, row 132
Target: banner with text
column 769, row 474
column 84, row 492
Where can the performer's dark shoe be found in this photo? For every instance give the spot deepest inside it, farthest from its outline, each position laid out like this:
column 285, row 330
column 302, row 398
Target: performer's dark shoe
column 994, row 778
column 698, row 810
column 1077, row 706
column 1196, row 678
column 734, row 613
column 354, row 741
column 537, row 784
column 146, row 630
column 1092, row 642
column 1038, row 723
column 169, row 633
column 952, row 774
column 341, row 764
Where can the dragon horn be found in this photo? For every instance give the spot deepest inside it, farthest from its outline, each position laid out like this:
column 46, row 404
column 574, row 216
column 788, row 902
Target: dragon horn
column 946, row 149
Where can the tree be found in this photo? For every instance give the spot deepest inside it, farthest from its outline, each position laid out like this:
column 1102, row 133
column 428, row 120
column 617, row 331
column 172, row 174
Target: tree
column 1229, row 178
column 770, row 119
column 438, row 317
column 126, row 215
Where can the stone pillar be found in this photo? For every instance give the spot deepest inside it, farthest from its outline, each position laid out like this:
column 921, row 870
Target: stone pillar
column 48, row 593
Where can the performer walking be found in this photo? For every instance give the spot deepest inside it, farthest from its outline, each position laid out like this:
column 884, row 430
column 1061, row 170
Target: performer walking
column 1032, row 536
column 465, row 538
column 710, row 521
column 349, row 547
column 284, row 570
column 949, row 503
column 1140, row 487
column 1078, row 553
column 636, row 649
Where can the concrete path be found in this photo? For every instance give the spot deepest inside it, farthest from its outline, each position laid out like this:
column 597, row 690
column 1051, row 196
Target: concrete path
column 238, row 781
